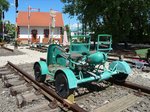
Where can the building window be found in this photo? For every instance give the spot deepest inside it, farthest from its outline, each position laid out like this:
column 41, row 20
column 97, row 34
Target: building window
column 34, row 33
column 46, row 32
column 61, row 30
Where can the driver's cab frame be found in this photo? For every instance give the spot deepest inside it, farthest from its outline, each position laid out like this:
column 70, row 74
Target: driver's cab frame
column 80, row 44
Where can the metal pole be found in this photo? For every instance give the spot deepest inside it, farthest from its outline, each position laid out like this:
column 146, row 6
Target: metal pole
column 52, row 32
column 78, row 28
column 49, row 33
column 2, row 24
column 29, row 25
column 16, row 29
column 52, row 14
column 2, row 17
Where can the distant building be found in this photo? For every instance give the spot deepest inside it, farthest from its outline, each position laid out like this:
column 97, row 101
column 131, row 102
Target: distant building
column 40, row 27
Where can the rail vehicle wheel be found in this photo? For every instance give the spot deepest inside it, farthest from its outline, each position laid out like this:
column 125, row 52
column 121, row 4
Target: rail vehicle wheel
column 37, row 73
column 61, row 86
column 120, row 78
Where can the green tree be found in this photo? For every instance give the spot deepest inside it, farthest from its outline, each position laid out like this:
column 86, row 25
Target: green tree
column 10, row 29
column 4, row 6
column 124, row 19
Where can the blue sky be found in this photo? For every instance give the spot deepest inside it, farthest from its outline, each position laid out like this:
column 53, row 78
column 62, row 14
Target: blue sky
column 44, row 5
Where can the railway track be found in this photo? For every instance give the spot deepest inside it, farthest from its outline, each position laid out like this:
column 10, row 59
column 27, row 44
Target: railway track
column 19, row 82
column 7, row 48
column 134, row 86
column 24, row 98
column 40, row 49
column 114, row 98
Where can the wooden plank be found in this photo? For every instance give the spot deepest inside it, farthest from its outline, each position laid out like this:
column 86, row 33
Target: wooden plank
column 120, row 104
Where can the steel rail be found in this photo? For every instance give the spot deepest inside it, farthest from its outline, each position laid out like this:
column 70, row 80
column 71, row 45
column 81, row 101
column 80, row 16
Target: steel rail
column 129, row 57
column 74, row 107
column 131, row 85
column 130, row 62
column 7, row 48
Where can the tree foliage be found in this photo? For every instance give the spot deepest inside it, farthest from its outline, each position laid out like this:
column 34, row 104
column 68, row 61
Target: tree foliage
column 126, row 20
column 10, row 29
column 4, row 5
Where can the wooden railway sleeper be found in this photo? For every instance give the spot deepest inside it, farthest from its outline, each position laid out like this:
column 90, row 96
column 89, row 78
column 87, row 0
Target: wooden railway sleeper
column 14, row 90
column 24, row 99
column 9, row 76
column 13, row 82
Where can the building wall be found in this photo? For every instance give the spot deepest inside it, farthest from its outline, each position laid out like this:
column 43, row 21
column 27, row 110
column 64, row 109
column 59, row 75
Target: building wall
column 23, row 32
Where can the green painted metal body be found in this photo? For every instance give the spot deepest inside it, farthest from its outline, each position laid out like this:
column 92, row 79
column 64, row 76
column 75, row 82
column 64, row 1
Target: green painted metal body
column 104, row 40
column 79, row 44
column 54, row 55
column 83, row 67
column 97, row 58
column 44, row 68
column 120, row 66
column 115, row 67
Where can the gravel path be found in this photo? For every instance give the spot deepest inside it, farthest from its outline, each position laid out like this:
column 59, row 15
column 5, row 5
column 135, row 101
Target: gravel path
column 28, row 57
column 4, row 52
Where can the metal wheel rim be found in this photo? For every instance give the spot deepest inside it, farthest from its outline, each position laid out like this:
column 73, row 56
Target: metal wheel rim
column 61, row 86
column 37, row 71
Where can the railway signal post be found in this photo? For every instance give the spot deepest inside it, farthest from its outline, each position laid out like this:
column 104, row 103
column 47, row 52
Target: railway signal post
column 16, row 6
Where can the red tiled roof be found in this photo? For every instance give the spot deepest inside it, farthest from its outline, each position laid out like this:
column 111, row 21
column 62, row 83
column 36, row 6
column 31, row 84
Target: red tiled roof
column 39, row 19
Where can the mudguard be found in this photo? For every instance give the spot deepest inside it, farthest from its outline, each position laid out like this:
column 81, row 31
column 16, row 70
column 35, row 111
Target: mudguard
column 120, row 67
column 72, row 81
column 44, row 68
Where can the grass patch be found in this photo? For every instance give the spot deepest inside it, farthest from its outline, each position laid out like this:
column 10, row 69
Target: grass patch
column 142, row 52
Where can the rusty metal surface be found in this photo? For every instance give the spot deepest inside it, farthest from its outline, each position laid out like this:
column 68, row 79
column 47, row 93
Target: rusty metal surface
column 73, row 107
column 131, row 85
